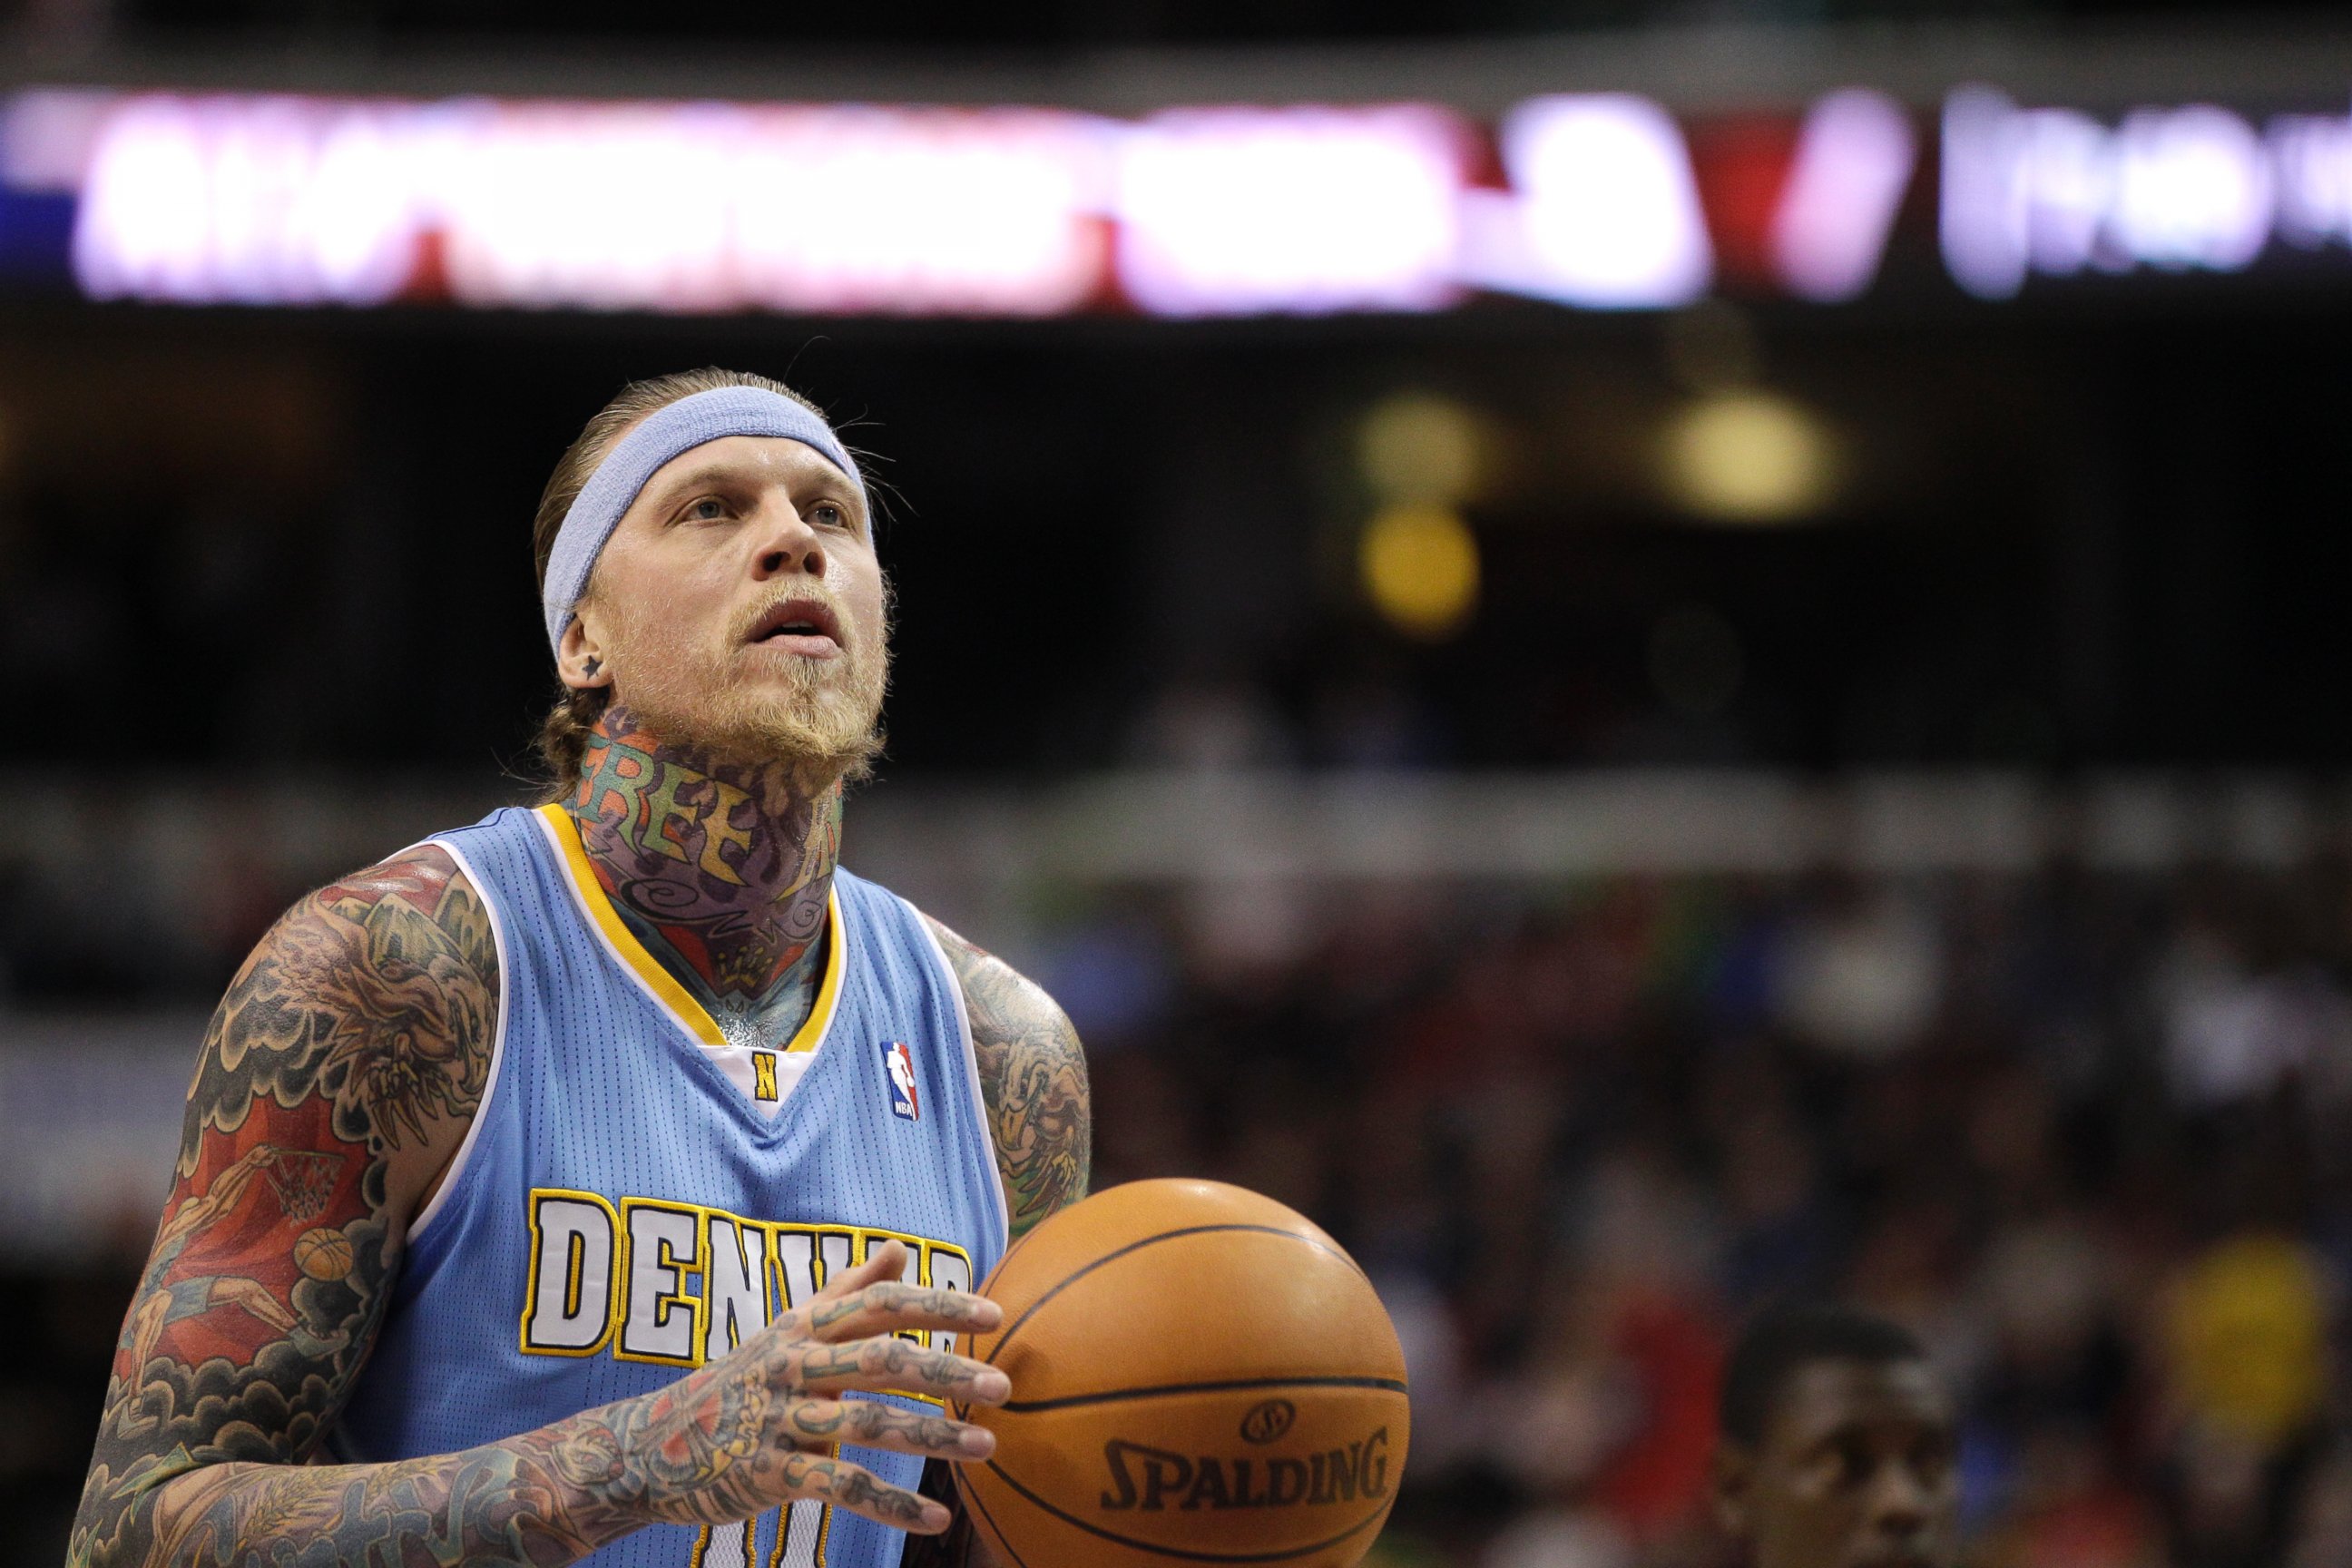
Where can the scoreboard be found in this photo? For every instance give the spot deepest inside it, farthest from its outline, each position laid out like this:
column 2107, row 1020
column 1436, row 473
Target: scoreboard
column 1586, row 200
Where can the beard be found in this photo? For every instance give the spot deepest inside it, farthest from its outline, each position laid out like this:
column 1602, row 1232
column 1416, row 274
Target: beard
column 821, row 721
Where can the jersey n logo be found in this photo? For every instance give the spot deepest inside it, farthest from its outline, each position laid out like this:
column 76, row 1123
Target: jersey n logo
column 900, row 1063
column 763, row 1076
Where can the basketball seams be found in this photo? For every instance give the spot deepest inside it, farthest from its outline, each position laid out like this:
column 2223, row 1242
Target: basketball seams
column 1133, row 1544
column 1367, row 1383
column 970, row 1496
column 1138, row 1244
column 1231, row 1385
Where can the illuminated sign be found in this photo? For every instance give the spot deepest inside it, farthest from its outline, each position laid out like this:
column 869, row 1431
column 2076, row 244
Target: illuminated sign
column 1601, row 209
column 1853, row 162
column 265, row 200
column 1244, row 211
column 2057, row 192
column 1599, row 201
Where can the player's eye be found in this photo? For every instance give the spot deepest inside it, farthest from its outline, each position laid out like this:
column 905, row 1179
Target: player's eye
column 826, row 515
column 1853, row 1462
column 710, row 509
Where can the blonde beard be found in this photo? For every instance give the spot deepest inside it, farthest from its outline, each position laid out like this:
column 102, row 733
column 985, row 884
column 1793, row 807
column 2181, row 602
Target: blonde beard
column 824, row 724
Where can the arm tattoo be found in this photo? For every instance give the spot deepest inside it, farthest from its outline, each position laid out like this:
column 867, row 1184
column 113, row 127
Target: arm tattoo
column 1034, row 1076
column 343, row 1066
column 340, row 1068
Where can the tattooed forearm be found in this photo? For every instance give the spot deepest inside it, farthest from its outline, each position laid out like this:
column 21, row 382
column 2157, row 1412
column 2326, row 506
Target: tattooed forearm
column 1033, row 1075
column 748, row 1433
column 339, row 1071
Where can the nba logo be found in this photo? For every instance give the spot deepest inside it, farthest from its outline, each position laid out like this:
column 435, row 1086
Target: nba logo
column 900, row 1065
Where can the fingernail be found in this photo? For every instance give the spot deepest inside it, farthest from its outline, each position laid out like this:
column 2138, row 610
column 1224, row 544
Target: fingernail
column 936, row 1516
column 977, row 1441
column 991, row 1385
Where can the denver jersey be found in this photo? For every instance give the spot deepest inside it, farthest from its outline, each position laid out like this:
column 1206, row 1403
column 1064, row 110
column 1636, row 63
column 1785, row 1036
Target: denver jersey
column 623, row 1209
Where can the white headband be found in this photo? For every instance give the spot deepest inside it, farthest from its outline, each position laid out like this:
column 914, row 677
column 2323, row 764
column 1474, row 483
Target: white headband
column 653, row 440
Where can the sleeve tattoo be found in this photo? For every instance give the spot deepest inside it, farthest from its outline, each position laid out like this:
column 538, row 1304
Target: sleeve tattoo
column 344, row 1061
column 1033, row 1075
column 339, row 1072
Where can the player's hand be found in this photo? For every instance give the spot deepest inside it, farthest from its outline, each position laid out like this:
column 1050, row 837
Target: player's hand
column 759, row 1427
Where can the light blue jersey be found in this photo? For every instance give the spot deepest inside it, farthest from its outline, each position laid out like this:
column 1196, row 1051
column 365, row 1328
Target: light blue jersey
column 621, row 1209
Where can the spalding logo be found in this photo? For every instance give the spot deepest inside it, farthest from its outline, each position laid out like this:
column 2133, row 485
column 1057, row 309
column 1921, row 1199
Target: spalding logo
column 1153, row 1481
column 1268, row 1421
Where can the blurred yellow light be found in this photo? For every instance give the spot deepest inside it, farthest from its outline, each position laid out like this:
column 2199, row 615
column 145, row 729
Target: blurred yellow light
column 1750, row 457
column 1419, row 566
column 1416, row 446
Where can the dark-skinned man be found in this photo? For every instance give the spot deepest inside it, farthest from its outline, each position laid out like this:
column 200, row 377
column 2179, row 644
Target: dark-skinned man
column 1838, row 1446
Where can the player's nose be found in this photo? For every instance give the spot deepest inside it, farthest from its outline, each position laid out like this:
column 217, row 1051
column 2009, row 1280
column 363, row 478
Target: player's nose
column 783, row 542
column 1901, row 1505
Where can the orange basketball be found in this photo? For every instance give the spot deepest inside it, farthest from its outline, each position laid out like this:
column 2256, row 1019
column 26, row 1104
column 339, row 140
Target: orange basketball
column 323, row 1254
column 1199, row 1375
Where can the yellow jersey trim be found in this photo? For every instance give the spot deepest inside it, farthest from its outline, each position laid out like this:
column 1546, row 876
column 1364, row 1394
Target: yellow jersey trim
column 663, row 985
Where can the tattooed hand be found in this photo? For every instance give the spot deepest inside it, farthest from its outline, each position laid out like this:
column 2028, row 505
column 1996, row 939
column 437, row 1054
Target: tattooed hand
column 741, row 1435
column 338, row 1075
column 753, row 1430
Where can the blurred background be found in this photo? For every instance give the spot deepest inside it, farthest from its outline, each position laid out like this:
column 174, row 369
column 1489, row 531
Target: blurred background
column 1650, row 655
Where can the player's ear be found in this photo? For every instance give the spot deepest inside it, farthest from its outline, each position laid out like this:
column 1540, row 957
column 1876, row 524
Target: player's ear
column 580, row 655
column 1732, row 1485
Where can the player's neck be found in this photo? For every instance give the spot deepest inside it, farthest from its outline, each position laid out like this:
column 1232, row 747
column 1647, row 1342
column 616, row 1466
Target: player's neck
column 721, row 868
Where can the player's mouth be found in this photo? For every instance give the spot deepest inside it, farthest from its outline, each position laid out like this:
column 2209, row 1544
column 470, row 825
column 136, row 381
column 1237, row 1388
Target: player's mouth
column 805, row 626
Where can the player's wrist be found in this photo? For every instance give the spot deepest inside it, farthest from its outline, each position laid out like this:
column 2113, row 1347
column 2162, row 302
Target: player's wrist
column 595, row 1482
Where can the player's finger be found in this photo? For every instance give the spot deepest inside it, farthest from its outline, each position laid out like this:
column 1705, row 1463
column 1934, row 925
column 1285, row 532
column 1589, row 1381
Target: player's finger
column 874, row 1424
column 887, row 1306
column 858, row 1489
column 887, row 1363
column 885, row 1261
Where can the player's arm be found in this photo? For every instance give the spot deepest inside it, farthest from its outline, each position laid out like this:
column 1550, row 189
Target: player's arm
column 1033, row 1075
column 338, row 1076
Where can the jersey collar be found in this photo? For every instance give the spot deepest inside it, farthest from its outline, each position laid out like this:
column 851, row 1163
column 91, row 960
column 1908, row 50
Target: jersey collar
column 646, row 970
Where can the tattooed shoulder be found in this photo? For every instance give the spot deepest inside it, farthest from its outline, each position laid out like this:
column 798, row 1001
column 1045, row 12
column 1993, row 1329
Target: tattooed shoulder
column 340, row 1070
column 1032, row 1074
column 377, row 994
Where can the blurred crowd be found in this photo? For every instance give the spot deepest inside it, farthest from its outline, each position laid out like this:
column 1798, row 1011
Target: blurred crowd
column 2084, row 1132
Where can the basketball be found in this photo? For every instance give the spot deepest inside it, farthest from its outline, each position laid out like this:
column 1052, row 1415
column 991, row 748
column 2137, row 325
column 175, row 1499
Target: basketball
column 1199, row 1375
column 323, row 1254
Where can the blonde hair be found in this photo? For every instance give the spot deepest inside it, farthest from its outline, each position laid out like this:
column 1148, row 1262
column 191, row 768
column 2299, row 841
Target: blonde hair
column 564, row 733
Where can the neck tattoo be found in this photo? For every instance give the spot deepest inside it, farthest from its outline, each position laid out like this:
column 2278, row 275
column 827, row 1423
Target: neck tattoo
column 722, row 869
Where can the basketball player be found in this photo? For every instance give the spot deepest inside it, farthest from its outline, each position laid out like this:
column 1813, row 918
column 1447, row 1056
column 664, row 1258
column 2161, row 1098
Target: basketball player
column 1837, row 1448
column 545, row 1187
